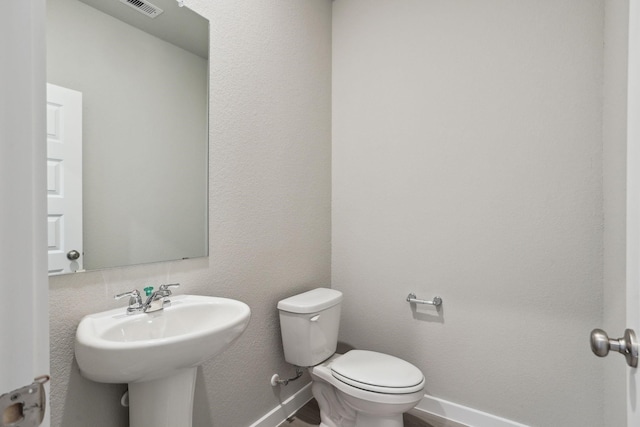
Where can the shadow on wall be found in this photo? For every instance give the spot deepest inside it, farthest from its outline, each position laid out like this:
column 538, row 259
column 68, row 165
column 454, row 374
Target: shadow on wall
column 80, row 410
column 201, row 411
column 343, row 347
column 428, row 313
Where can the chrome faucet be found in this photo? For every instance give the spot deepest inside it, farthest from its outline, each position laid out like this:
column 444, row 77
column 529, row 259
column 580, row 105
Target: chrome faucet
column 156, row 301
column 135, row 301
column 160, row 298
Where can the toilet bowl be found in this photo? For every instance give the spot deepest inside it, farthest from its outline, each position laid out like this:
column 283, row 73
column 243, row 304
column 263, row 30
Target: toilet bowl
column 370, row 389
column 357, row 389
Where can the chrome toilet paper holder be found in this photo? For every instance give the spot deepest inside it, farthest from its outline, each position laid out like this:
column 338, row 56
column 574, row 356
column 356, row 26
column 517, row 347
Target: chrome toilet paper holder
column 412, row 299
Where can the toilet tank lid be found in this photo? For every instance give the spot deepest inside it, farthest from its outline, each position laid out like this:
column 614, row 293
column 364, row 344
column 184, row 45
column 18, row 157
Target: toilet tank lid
column 311, row 301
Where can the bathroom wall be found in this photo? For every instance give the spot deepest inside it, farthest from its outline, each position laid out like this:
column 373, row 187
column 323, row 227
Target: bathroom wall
column 614, row 184
column 126, row 76
column 269, row 214
column 467, row 163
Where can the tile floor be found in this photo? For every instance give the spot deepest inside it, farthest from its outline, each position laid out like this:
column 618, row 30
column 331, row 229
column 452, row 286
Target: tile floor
column 309, row 416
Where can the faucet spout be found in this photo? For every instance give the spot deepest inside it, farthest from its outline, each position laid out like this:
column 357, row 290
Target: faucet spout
column 156, row 301
column 159, row 299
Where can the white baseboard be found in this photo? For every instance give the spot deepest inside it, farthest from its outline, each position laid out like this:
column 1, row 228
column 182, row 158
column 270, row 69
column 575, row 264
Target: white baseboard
column 283, row 411
column 433, row 405
column 462, row 414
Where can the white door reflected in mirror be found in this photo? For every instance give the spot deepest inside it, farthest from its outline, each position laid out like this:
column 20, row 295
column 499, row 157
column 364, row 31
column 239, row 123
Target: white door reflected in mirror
column 64, row 179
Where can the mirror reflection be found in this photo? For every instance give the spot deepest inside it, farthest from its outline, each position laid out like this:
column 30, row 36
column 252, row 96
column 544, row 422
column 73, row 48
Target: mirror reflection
column 127, row 116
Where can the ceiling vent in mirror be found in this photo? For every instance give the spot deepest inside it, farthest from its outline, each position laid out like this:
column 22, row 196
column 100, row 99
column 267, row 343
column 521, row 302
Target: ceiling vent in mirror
column 144, row 7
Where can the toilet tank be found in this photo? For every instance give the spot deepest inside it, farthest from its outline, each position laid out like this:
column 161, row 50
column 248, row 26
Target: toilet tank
column 309, row 324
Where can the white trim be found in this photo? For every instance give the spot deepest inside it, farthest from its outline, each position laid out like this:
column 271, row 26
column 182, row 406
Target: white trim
column 283, row 411
column 24, row 322
column 462, row 414
column 432, row 405
column 633, row 200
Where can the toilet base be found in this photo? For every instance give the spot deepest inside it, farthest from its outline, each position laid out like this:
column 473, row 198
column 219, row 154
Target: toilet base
column 365, row 420
column 333, row 412
column 338, row 409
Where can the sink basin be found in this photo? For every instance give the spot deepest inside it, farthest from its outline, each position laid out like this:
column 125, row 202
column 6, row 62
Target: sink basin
column 157, row 353
column 112, row 347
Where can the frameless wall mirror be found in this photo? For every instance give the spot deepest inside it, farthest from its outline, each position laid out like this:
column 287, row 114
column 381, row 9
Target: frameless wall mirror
column 127, row 133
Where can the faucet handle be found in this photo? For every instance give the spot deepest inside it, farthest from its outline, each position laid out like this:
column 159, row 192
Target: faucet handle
column 133, row 294
column 166, row 287
column 135, row 300
column 166, row 293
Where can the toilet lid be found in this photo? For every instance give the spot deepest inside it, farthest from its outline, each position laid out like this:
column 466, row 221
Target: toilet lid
column 377, row 372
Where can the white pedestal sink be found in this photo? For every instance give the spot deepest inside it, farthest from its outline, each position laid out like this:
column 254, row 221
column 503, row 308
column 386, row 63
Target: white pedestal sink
column 157, row 354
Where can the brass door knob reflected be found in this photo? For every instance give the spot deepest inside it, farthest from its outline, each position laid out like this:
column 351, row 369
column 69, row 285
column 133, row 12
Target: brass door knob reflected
column 627, row 345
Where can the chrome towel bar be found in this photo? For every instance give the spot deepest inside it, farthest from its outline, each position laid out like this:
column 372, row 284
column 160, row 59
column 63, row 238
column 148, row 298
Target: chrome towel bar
column 411, row 299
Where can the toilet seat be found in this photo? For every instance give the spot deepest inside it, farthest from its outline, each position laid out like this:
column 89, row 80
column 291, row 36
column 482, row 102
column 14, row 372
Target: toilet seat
column 377, row 372
column 323, row 373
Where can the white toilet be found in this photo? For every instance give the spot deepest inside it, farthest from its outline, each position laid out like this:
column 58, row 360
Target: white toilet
column 357, row 389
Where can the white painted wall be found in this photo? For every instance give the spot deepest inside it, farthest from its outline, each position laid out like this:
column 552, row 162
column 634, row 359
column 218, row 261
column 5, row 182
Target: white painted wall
column 467, row 163
column 269, row 210
column 24, row 323
column 614, row 184
column 144, row 133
